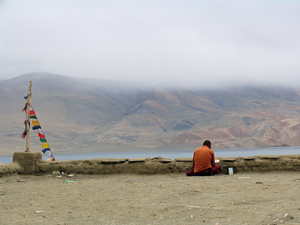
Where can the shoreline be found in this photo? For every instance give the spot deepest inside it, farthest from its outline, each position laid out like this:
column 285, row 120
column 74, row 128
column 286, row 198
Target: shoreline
column 236, row 152
column 135, row 149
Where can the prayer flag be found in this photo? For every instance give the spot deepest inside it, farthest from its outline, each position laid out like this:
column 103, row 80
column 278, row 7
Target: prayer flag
column 40, row 131
column 35, row 123
column 45, row 145
column 46, row 149
column 36, row 127
column 33, row 117
column 43, row 140
column 50, row 155
column 42, row 136
column 32, row 114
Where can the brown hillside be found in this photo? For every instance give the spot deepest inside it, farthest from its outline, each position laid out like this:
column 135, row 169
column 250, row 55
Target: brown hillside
column 95, row 115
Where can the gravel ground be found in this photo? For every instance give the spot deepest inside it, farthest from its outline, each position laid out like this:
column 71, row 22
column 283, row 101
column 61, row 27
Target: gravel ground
column 241, row 198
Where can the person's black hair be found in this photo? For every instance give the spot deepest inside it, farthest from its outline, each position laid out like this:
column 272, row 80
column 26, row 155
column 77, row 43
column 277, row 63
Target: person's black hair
column 207, row 143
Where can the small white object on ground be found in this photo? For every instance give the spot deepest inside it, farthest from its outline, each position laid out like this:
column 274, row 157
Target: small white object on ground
column 39, row 211
column 230, row 170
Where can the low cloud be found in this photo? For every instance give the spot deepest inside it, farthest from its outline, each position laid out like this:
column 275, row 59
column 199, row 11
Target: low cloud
column 193, row 43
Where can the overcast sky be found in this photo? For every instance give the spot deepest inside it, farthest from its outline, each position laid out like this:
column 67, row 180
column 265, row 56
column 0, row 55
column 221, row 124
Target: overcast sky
column 171, row 42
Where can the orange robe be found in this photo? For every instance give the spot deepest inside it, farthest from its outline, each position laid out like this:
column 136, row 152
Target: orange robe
column 202, row 158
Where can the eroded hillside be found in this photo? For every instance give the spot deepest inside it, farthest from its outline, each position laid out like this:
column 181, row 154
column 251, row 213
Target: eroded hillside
column 95, row 115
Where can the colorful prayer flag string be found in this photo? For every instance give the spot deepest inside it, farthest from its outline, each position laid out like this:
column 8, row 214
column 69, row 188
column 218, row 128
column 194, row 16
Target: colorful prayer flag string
column 36, row 126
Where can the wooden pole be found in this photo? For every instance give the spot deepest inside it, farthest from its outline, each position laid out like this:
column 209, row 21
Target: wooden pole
column 28, row 101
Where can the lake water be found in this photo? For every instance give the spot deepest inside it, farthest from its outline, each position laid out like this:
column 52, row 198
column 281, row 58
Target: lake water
column 171, row 154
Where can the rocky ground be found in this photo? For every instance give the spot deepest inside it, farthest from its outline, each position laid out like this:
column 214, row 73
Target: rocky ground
column 242, row 198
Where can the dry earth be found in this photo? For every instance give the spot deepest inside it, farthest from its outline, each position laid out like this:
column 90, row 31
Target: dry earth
column 242, row 198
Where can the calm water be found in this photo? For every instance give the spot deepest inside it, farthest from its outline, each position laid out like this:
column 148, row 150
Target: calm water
column 171, row 154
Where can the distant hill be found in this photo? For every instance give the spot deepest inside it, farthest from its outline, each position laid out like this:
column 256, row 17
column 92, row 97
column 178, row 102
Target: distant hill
column 93, row 115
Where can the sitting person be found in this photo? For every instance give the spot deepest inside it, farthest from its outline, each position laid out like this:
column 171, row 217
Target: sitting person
column 204, row 162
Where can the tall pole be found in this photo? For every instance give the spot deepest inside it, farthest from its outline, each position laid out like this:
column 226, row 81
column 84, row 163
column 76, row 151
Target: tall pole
column 28, row 101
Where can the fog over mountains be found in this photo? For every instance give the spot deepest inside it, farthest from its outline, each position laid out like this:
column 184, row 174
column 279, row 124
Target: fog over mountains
column 90, row 115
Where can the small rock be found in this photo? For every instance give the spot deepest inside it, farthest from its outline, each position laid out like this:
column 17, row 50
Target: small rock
column 39, row 211
column 288, row 216
column 56, row 173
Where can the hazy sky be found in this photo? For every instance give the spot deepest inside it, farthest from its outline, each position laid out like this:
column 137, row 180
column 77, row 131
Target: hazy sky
column 199, row 42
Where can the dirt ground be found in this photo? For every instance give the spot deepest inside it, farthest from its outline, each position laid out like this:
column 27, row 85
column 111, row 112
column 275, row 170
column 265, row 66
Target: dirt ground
column 241, row 198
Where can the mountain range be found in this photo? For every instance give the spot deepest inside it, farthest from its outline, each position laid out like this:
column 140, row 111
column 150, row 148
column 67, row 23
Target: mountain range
column 94, row 115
